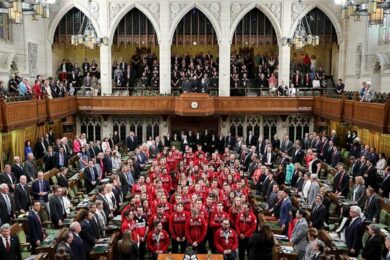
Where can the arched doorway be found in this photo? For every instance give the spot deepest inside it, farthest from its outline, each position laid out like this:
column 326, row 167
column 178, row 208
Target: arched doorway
column 254, row 58
column 311, row 61
column 135, row 66
column 69, row 61
column 194, row 51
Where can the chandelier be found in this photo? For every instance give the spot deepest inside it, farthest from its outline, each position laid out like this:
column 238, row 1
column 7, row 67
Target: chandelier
column 374, row 9
column 16, row 9
column 302, row 37
column 89, row 37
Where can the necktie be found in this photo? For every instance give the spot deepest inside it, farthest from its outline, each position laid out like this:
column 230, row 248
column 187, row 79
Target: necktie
column 40, row 186
column 8, row 247
column 8, row 204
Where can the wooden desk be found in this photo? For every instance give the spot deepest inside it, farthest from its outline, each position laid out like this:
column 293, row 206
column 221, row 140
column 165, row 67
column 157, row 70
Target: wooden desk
column 50, row 242
column 181, row 257
column 107, row 251
column 278, row 252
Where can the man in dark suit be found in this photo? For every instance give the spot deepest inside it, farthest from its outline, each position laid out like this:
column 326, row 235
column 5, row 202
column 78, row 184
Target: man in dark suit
column 17, row 168
column 22, row 195
column 363, row 166
column 370, row 175
column 373, row 248
column 335, row 157
column 8, row 178
column 40, row 189
column 385, row 185
column 341, row 181
column 77, row 244
column 131, row 142
column 284, row 216
column 298, row 154
column 287, row 146
column 230, row 141
column 372, row 208
column 86, row 232
column 251, row 139
column 35, row 226
column 91, row 176
column 61, row 158
column 9, row 245
column 49, row 159
column 260, row 146
column 355, row 165
column 63, row 248
column 62, row 181
column 269, row 157
column 57, row 209
column 354, row 232
column 41, row 147
column 7, row 205
column 102, row 197
column 318, row 213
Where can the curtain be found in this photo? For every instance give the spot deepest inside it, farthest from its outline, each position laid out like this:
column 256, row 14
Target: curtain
column 17, row 143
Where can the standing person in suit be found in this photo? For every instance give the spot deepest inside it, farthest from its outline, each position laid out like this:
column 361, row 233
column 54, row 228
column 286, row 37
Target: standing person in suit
column 77, row 244
column 298, row 153
column 22, row 195
column 9, row 245
column 62, row 181
column 50, row 159
column 284, row 216
column 355, row 165
column 251, row 139
column 91, row 176
column 8, row 177
column 298, row 236
column 230, row 141
column 373, row 249
column 372, row 208
column 17, row 168
column 354, row 232
column 29, row 167
column 287, row 146
column 314, row 190
column 57, row 208
column 131, row 141
column 359, row 192
column 86, row 232
column 385, row 185
column 40, row 189
column 35, row 229
column 61, row 158
column 341, row 181
column 221, row 144
column 318, row 213
column 7, row 205
column 370, row 175
column 269, row 157
column 63, row 248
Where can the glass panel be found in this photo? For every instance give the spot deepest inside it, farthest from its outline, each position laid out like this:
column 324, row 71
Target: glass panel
column 98, row 132
column 149, row 131
column 266, row 132
column 139, row 133
column 156, row 130
column 291, row 133
column 90, row 134
column 123, row 133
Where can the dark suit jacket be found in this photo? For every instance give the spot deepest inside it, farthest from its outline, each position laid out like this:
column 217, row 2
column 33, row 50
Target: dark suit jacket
column 230, row 143
column 34, row 228
column 124, row 184
column 385, row 186
column 344, row 184
column 57, row 160
column 50, row 161
column 251, row 141
column 78, row 248
column 39, row 150
column 66, row 248
column 4, row 217
column 18, row 171
column 298, row 156
column 56, row 210
column 15, row 252
column 4, row 178
column 370, row 180
column 335, row 159
column 317, row 217
column 86, row 235
column 62, row 181
column 88, row 176
column 106, row 208
column 30, row 169
column 373, row 248
column 273, row 157
column 22, row 197
column 355, row 169
column 353, row 235
column 35, row 190
column 373, row 208
column 131, row 144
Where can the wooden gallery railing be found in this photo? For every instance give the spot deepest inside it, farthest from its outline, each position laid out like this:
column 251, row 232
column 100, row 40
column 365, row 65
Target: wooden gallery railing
column 373, row 116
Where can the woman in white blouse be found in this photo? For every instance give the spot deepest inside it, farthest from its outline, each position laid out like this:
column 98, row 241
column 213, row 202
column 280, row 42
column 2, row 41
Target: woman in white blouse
column 381, row 164
column 105, row 144
column 359, row 192
column 316, row 83
column 66, row 201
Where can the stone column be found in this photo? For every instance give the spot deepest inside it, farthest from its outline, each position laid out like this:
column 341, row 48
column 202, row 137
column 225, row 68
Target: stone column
column 105, row 69
column 284, row 63
column 165, row 67
column 224, row 69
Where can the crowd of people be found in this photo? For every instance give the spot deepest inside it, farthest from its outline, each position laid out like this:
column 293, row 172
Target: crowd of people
column 142, row 71
column 194, row 74
column 196, row 191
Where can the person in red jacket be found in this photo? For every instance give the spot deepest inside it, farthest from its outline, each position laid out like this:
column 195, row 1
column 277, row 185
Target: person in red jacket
column 217, row 217
column 141, row 229
column 226, row 241
column 159, row 216
column 196, row 229
column 177, row 228
column 246, row 224
column 157, row 241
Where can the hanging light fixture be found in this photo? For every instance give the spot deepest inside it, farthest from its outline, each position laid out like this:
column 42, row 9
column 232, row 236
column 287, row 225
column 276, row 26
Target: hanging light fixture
column 376, row 10
column 16, row 9
column 89, row 37
column 302, row 37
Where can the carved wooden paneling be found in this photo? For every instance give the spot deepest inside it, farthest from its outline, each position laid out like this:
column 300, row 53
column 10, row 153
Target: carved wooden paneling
column 57, row 108
column 348, row 111
column 194, row 105
column 332, row 108
column 369, row 115
column 317, row 106
column 19, row 114
column 42, row 110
